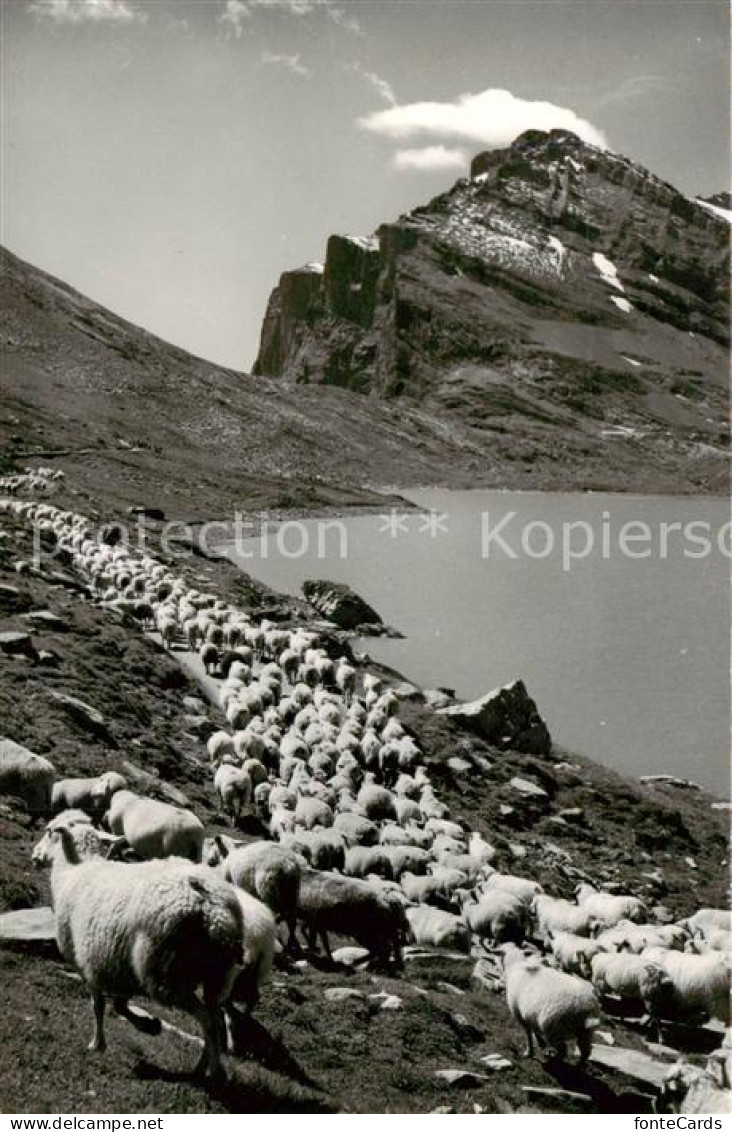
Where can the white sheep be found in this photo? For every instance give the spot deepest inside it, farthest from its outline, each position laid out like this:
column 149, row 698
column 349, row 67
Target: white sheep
column 161, row 931
column 269, row 872
column 407, row 810
column 376, row 802
column 155, row 829
column 281, row 822
column 550, row 1005
column 574, row 953
column 481, row 849
column 700, row 984
column 220, row 744
column 281, row 797
column 321, row 848
column 311, row 812
column 499, row 915
column 345, row 678
column 632, row 978
column 89, row 794
column 441, row 884
column 431, row 927
column 406, row 858
column 689, row 1089
column 234, row 788
column 609, row 909
column 555, row 915
column 371, row 915
column 706, row 920
column 361, row 860
column 356, row 830
column 26, row 775
column 626, row 936
column 522, row 887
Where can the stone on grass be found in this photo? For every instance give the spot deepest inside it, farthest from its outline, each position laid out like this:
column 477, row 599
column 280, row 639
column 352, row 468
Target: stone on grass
column 507, row 717
column 44, row 621
column 14, row 643
column 350, row 956
column 28, row 925
column 83, row 713
column 495, row 1062
column 530, row 789
column 460, row 1078
column 342, row 994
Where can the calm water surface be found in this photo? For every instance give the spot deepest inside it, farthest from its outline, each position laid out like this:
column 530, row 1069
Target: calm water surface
column 627, row 658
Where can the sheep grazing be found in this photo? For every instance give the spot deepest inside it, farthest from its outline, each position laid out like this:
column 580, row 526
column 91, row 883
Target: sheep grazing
column 376, row 802
column 372, row 916
column 269, row 872
column 209, row 655
column 632, row 978
column 345, row 678
column 551, row 1006
column 26, row 775
column 88, row 839
column 431, row 927
column 260, row 943
column 321, row 848
column 626, row 936
column 362, row 860
column 499, row 915
column 689, row 1089
column 716, row 940
column 356, row 830
column 234, row 788
column 526, row 890
column 609, row 909
column 707, row 920
column 155, row 829
column 312, row 812
column 407, row 858
column 89, row 794
column 220, row 744
column 481, row 849
column 574, row 953
column 554, row 915
column 699, row 985
column 146, row 929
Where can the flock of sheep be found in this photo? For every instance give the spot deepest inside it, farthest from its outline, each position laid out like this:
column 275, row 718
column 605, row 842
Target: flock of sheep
column 44, row 481
column 359, row 846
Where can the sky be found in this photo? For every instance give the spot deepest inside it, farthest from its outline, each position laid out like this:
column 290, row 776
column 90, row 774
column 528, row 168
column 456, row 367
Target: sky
column 171, row 158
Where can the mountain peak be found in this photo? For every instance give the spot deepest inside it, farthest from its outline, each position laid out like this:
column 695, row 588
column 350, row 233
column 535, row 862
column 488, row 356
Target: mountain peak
column 560, row 283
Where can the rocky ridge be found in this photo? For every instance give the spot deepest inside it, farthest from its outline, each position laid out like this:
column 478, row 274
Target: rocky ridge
column 562, row 295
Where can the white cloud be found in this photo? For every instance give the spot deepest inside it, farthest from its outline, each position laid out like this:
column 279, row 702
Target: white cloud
column 429, row 158
column 237, row 12
column 234, row 15
column 87, row 11
column 640, row 86
column 344, row 19
column 291, row 62
column 383, row 88
column 492, row 118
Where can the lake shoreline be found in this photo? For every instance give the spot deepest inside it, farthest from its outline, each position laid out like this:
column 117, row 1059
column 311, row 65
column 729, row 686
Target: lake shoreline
column 601, row 704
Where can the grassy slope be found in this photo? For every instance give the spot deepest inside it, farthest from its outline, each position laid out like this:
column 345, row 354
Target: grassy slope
column 134, row 420
column 304, row 1054
column 141, row 421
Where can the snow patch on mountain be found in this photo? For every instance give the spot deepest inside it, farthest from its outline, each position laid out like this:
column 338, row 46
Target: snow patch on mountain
column 608, row 270
column 723, row 213
column 367, row 243
column 480, row 229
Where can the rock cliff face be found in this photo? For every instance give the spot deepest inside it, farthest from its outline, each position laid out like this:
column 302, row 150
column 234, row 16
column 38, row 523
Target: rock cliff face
column 560, row 285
